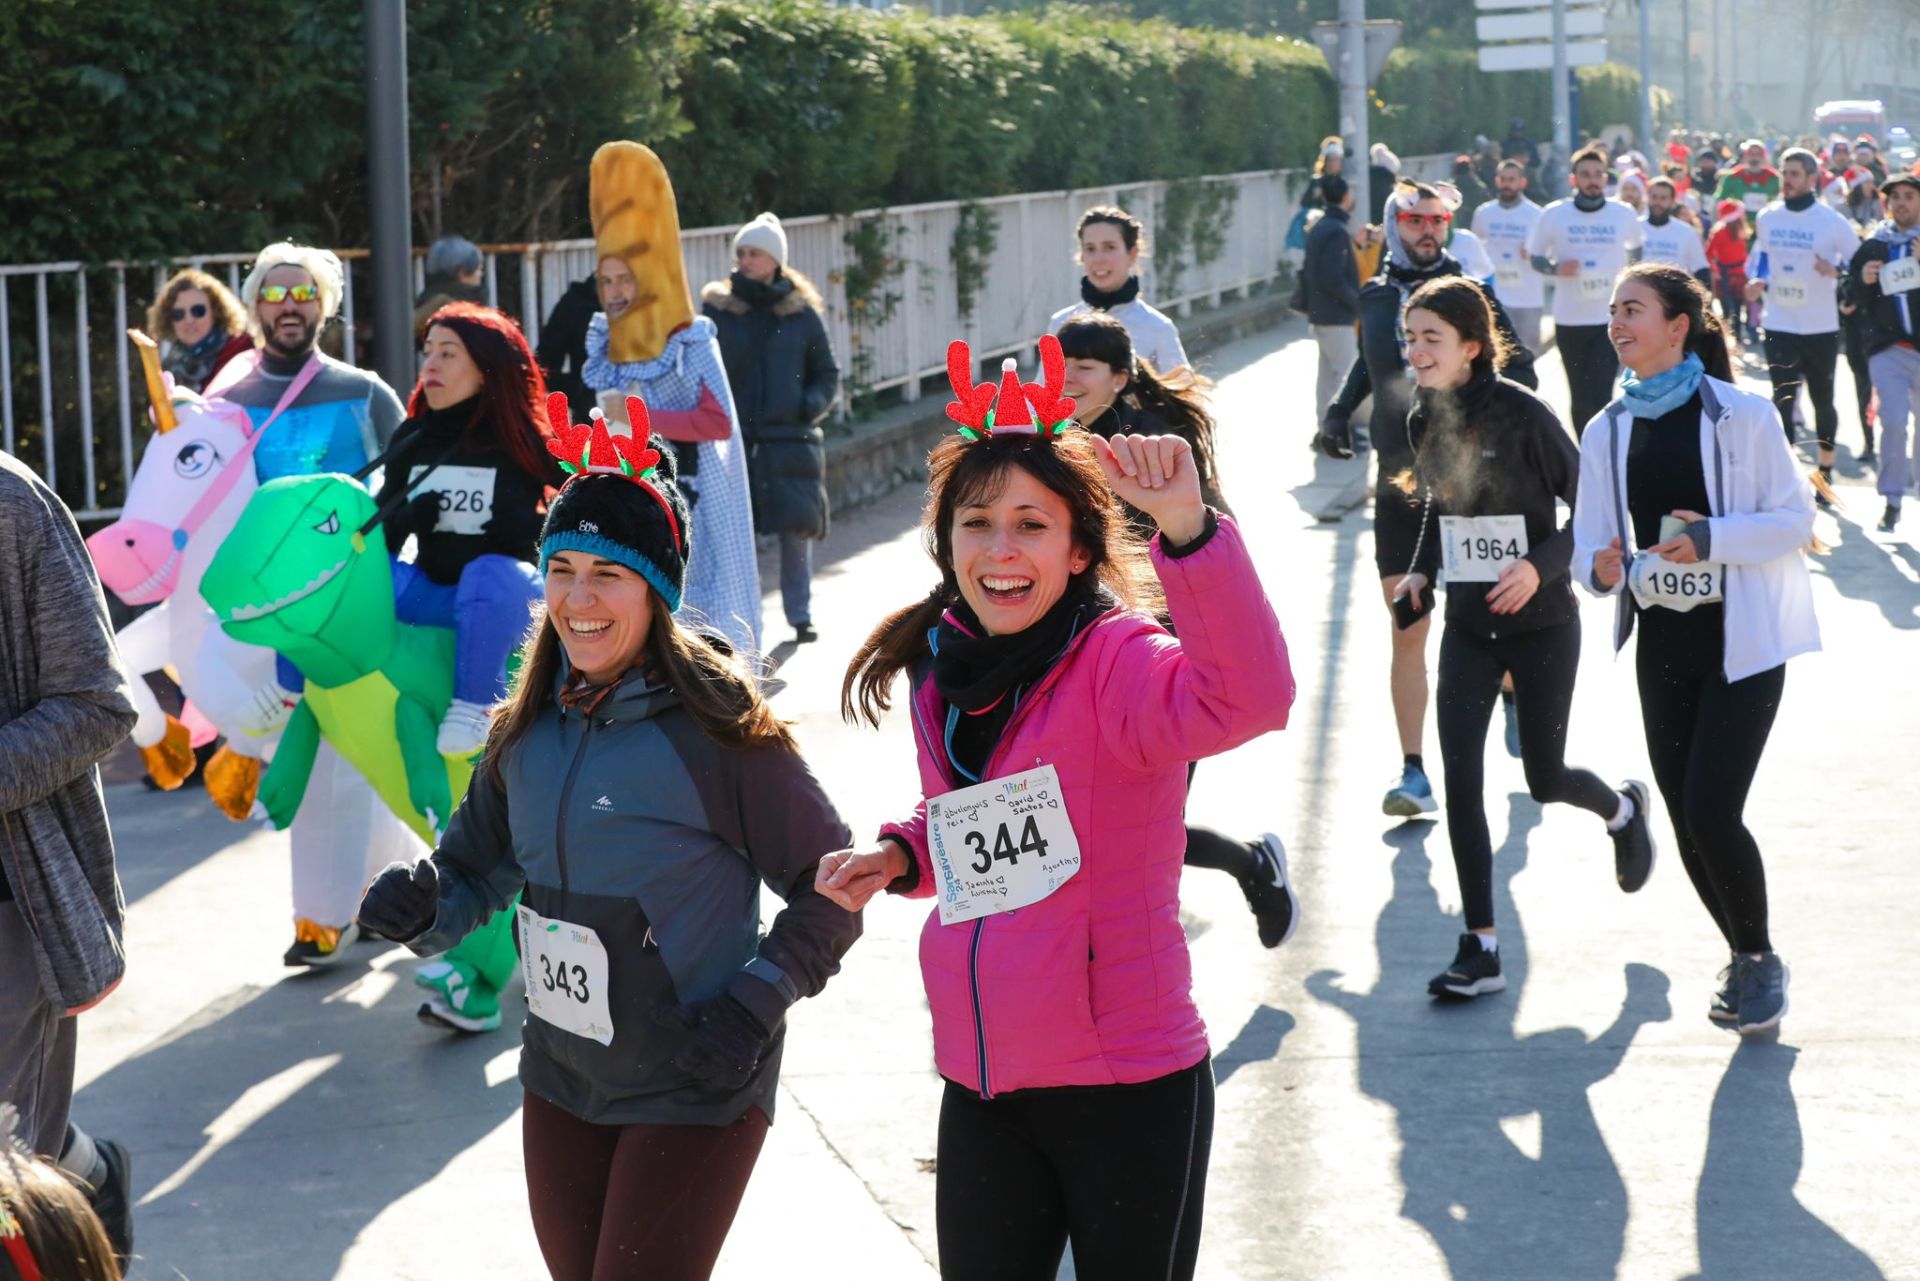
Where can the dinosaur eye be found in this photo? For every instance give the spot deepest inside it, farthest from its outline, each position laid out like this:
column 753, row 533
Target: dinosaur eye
column 195, row 459
column 331, row 525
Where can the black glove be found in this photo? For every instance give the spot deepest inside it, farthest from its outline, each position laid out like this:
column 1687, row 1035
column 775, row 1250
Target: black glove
column 1336, row 437
column 402, row 901
column 727, row 1039
column 418, row 517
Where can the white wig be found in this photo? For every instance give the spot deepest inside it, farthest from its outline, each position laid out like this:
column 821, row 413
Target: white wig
column 328, row 276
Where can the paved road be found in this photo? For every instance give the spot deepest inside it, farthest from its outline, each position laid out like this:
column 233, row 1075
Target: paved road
column 1587, row 1123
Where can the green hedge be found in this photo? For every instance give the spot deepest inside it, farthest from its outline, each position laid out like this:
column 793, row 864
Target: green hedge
column 1432, row 100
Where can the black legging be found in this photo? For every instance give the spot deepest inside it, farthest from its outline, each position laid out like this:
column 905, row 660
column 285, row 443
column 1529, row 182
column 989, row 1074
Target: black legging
column 1543, row 664
column 1591, row 368
column 1119, row 1169
column 1793, row 359
column 1704, row 737
column 1854, row 330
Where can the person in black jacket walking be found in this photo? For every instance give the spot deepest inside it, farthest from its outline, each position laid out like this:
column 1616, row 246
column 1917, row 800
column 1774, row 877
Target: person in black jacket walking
column 1331, row 283
column 1490, row 461
column 636, row 793
column 1416, row 227
column 773, row 341
column 562, row 349
column 1883, row 283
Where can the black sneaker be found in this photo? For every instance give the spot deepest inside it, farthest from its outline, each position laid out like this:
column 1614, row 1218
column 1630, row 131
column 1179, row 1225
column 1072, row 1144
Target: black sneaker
column 1633, row 844
column 1890, row 518
column 1474, row 972
column 1724, row 1009
column 1276, row 908
column 317, row 946
column 1760, row 989
column 803, row 634
column 113, row 1199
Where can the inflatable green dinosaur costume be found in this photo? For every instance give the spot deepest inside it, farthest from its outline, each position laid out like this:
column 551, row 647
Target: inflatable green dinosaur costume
column 298, row 575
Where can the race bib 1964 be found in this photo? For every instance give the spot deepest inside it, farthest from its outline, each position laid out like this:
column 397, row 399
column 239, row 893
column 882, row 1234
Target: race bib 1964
column 1000, row 845
column 1476, row 549
column 565, row 967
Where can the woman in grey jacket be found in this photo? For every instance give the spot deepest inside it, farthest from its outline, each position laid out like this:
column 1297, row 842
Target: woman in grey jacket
column 636, row 792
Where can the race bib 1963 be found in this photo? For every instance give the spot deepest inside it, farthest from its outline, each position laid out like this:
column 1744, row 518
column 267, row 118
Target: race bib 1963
column 565, row 967
column 1900, row 275
column 1000, row 845
column 1661, row 584
column 466, row 496
column 1475, row 549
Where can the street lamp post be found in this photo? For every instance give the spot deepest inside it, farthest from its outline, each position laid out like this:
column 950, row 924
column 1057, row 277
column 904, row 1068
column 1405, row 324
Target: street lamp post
column 389, row 195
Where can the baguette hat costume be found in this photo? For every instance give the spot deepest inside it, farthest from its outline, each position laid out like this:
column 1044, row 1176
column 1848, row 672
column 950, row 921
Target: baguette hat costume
column 660, row 351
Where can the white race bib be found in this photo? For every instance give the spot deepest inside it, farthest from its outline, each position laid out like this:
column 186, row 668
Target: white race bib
column 466, row 496
column 1756, row 201
column 1000, row 845
column 1475, row 549
column 1900, row 275
column 1507, row 276
column 1596, row 286
column 1783, row 291
column 565, row 967
column 1661, row 584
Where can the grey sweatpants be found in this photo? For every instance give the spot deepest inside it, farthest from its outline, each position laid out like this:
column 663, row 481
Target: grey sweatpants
column 1526, row 326
column 36, row 1042
column 1339, row 344
column 1896, row 376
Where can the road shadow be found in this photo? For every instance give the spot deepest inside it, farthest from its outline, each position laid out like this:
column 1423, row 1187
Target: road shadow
column 1502, row 1162
column 1863, row 568
column 160, row 835
column 299, row 1090
column 1750, row 1223
column 1257, row 1041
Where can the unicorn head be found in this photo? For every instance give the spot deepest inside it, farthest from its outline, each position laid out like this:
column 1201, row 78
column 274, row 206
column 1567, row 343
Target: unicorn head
column 167, row 531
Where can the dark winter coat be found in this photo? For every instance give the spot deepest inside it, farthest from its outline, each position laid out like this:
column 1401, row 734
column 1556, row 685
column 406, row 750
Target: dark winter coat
column 632, row 822
column 562, row 348
column 780, row 366
column 1331, row 279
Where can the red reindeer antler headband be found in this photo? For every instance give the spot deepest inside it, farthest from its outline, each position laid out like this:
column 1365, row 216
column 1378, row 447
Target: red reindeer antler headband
column 1009, row 407
column 589, row 449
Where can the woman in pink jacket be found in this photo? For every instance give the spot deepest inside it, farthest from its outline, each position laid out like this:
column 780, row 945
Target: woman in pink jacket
column 1055, row 722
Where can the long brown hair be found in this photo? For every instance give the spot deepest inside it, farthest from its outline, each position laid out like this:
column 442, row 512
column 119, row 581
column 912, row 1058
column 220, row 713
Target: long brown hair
column 1682, row 295
column 714, row 688
column 62, row 1232
column 228, row 315
column 963, row 472
column 1462, row 303
column 1178, row 399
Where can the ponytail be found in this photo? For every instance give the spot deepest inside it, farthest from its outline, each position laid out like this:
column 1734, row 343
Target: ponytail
column 1180, row 399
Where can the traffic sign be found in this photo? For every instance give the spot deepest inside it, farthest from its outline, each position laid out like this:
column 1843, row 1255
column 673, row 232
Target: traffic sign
column 1539, row 57
column 1539, row 26
column 1382, row 34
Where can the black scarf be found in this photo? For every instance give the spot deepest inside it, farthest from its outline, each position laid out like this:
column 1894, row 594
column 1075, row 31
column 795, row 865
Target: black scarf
column 1800, row 203
column 1659, row 220
column 983, row 676
column 1408, row 276
column 757, row 293
column 1580, row 203
column 1101, row 301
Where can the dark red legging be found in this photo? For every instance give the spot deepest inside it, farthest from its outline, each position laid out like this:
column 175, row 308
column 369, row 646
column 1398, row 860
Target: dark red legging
column 612, row 1202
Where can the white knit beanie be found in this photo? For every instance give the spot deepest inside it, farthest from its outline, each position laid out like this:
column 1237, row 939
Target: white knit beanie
column 765, row 234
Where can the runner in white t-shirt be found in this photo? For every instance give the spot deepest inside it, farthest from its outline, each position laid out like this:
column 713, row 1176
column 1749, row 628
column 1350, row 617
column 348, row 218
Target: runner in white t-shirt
column 1668, row 238
column 1110, row 246
column 1585, row 242
column 1800, row 247
column 1503, row 226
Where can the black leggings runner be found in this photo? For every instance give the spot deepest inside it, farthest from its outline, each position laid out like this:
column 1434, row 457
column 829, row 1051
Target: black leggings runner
column 1705, row 737
column 1121, row 1170
column 616, row 1201
column 1591, row 365
column 1855, row 331
column 1543, row 664
column 1793, row 359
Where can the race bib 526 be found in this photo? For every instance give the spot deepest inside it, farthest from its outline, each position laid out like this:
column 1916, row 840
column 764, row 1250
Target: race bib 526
column 466, row 496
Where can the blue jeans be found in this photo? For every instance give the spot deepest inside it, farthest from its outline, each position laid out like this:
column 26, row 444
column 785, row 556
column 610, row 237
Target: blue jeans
column 488, row 610
column 796, row 579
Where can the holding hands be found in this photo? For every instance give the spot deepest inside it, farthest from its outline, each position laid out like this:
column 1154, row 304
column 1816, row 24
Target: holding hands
column 852, row 877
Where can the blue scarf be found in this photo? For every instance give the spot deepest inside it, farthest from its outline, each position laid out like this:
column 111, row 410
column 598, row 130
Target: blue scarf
column 1663, row 393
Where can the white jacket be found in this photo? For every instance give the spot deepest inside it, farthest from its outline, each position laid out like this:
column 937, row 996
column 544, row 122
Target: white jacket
column 1761, row 518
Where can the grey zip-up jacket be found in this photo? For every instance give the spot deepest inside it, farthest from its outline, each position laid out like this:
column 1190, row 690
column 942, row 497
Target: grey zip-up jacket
column 63, row 707
column 636, row 824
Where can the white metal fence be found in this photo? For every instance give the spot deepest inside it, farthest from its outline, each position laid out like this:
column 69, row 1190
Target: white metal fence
column 898, row 339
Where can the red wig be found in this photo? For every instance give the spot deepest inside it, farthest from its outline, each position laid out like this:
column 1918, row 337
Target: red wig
column 513, row 391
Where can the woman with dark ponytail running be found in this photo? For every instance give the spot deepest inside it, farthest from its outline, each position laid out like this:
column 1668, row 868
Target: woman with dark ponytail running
column 1693, row 512
column 1490, row 461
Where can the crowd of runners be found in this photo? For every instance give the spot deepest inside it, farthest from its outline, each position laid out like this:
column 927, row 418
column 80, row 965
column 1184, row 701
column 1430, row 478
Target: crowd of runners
column 492, row 654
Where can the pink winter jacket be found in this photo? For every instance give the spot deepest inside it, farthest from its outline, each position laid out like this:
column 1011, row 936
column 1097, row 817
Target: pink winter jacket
column 1092, row 985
